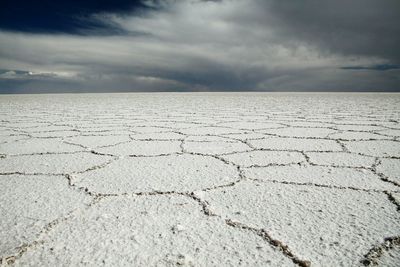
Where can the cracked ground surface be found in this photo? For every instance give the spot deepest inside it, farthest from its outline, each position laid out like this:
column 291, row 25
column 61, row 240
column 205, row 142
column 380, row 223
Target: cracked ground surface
column 196, row 179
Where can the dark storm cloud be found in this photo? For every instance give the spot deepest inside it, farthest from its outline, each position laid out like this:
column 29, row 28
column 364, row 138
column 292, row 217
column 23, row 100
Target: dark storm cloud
column 61, row 16
column 170, row 45
column 382, row 67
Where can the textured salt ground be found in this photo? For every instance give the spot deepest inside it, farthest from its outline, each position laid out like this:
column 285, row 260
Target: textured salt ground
column 142, row 148
column 375, row 148
column 36, row 145
column 163, row 136
column 200, row 180
column 264, row 158
column 148, row 231
column 300, row 132
column 215, row 148
column 390, row 168
column 340, row 159
column 350, row 136
column 166, row 173
column 342, row 177
column 90, row 141
column 299, row 144
column 305, row 218
column 28, row 203
column 52, row 163
column 52, row 134
column 390, row 258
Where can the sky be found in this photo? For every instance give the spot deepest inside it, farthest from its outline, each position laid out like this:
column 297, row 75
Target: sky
column 199, row 45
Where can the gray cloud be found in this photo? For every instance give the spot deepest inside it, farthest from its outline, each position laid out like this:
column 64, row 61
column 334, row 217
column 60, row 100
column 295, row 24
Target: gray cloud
column 357, row 27
column 215, row 45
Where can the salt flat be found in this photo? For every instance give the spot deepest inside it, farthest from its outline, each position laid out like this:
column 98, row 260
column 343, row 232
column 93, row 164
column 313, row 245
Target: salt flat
column 200, row 179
